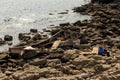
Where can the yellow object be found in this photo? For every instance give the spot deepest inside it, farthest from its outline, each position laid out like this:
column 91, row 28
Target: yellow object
column 56, row 44
column 95, row 50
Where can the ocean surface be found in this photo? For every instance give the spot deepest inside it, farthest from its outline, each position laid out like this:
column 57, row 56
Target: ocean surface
column 18, row 16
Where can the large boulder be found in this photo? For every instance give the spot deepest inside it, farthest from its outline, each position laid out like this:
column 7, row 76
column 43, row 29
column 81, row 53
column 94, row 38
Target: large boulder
column 28, row 53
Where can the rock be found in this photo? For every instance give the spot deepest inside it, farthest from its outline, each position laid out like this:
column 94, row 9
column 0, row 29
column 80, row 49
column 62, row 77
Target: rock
column 63, row 13
column 106, row 1
column 66, row 70
column 15, row 52
column 24, row 36
column 3, row 56
column 101, row 67
column 3, row 61
column 82, row 61
column 3, row 77
column 33, row 30
column 74, row 51
column 8, row 73
column 9, row 43
column 2, row 42
column 28, row 53
column 20, row 36
column 37, row 37
column 66, row 57
column 39, row 62
column 77, row 23
column 67, row 44
column 53, row 63
column 79, row 9
column 56, row 55
column 96, row 57
column 8, row 38
column 64, row 24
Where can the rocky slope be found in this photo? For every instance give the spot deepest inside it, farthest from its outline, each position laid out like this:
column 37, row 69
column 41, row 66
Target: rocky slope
column 68, row 62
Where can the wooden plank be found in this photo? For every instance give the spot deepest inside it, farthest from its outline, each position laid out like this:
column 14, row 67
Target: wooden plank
column 56, row 44
column 95, row 50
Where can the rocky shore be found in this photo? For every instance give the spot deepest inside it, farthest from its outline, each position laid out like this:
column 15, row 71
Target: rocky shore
column 67, row 53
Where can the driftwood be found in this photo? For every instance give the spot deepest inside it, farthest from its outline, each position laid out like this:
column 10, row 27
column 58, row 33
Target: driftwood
column 47, row 41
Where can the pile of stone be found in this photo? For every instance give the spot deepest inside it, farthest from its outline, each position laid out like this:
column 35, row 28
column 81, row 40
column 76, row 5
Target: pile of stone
column 67, row 54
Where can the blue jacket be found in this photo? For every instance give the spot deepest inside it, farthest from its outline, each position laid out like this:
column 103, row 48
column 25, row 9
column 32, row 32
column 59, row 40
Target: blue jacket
column 101, row 51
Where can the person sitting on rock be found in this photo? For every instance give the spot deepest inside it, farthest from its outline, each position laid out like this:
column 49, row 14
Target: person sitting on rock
column 101, row 51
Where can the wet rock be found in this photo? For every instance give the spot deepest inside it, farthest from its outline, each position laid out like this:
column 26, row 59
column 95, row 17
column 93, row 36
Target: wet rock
column 26, row 75
column 63, row 13
column 64, row 24
column 24, row 36
column 20, row 36
column 37, row 37
column 19, row 62
column 8, row 38
column 9, row 42
column 55, row 55
column 2, row 41
column 33, row 30
column 79, row 9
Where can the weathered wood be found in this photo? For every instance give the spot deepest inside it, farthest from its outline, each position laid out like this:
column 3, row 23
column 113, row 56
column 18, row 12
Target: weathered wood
column 56, row 44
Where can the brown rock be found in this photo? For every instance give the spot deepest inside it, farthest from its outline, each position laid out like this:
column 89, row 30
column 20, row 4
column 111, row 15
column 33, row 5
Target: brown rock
column 39, row 62
column 64, row 24
column 28, row 53
column 3, row 56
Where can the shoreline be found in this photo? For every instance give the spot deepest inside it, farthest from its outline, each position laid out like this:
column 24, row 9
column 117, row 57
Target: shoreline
column 62, row 54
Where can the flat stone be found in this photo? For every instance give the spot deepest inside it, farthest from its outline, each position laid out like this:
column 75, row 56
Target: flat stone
column 3, row 56
column 39, row 62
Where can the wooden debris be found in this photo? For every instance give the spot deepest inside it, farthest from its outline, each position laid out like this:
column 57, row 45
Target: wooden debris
column 95, row 50
column 56, row 44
